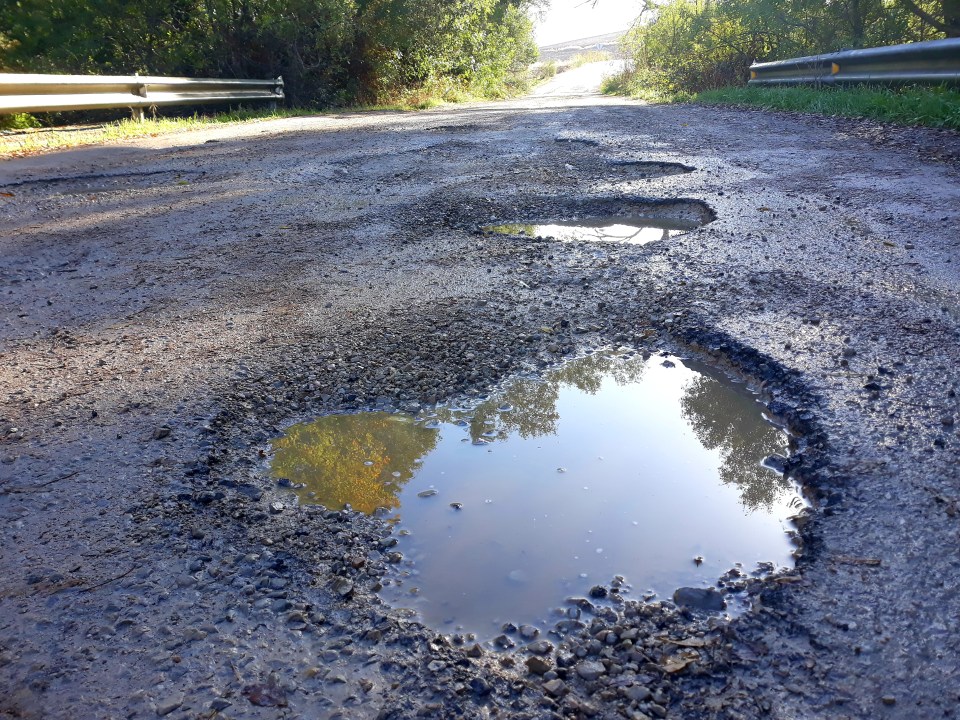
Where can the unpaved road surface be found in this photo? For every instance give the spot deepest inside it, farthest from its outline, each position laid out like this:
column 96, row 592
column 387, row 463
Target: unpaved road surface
column 170, row 305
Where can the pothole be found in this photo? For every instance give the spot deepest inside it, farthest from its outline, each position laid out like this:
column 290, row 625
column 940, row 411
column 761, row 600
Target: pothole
column 630, row 230
column 614, row 474
column 104, row 182
column 646, row 169
column 635, row 221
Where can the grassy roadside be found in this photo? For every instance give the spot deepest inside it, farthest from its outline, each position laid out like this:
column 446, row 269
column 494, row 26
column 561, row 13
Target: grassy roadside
column 929, row 107
column 32, row 140
column 937, row 107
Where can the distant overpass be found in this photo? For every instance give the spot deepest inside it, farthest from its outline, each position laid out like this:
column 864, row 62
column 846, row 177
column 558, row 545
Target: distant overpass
column 561, row 52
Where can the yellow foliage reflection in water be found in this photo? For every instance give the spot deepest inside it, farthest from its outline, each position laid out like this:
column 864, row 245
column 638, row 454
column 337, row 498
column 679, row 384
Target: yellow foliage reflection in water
column 364, row 460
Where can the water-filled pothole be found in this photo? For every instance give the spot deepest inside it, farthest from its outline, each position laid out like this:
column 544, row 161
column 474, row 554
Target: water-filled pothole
column 637, row 230
column 647, row 468
column 628, row 220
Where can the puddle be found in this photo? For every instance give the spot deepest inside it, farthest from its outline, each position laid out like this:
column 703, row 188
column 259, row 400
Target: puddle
column 636, row 230
column 610, row 465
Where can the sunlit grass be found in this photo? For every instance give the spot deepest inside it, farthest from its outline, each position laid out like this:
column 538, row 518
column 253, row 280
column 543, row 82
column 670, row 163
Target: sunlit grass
column 937, row 107
column 33, row 140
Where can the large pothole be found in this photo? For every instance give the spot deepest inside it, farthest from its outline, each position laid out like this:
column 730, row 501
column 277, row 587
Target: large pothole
column 614, row 474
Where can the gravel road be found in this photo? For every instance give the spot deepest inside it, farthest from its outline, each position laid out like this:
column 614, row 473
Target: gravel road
column 170, row 305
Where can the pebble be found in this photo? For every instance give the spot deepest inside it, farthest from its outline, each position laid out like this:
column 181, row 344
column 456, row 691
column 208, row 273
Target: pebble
column 699, row 599
column 426, row 493
column 343, row 587
column 168, row 705
column 590, row 670
column 538, row 666
column 555, row 687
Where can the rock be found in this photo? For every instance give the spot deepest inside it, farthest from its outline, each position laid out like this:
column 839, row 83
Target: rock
column 479, row 686
column 168, row 705
column 436, row 666
column 598, row 591
column 504, row 642
column 343, row 587
column 427, row 493
column 159, row 434
column 540, row 647
column 699, row 599
column 555, row 687
column 888, row 700
column 528, row 632
column 277, row 507
column 538, row 666
column 590, row 670
column 638, row 693
column 475, row 651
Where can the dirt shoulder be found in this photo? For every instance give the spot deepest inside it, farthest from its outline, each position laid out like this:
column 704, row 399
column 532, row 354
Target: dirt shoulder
column 171, row 305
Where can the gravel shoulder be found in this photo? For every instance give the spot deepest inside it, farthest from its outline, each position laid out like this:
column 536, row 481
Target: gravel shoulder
column 171, row 304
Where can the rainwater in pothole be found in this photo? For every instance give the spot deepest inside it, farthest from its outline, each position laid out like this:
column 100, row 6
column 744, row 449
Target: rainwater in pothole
column 631, row 230
column 614, row 464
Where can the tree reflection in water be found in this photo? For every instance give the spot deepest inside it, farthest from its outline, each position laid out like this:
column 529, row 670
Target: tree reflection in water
column 364, row 459
column 728, row 421
column 528, row 406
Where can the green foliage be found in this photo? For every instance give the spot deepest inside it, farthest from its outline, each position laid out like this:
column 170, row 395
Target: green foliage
column 931, row 107
column 21, row 121
column 684, row 46
column 330, row 52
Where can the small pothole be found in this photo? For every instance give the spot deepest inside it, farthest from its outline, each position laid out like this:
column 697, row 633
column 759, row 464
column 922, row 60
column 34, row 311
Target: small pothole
column 630, row 230
column 615, row 474
column 634, row 221
column 647, row 169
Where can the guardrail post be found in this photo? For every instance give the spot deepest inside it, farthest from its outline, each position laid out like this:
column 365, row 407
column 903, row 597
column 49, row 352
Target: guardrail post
column 136, row 114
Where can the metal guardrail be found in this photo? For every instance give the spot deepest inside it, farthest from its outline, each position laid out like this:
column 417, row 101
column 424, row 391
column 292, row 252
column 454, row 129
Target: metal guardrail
column 931, row 62
column 47, row 93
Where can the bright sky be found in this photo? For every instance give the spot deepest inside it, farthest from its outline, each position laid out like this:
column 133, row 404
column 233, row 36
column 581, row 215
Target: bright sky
column 575, row 19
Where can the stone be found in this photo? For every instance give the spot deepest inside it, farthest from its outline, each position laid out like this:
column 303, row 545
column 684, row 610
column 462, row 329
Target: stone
column 538, row 666
column 168, row 705
column 479, row 686
column 474, row 651
column 638, row 693
column 427, row 493
column 555, row 687
column 590, row 670
column 699, row 599
column 540, row 647
column 598, row 591
column 528, row 632
column 343, row 587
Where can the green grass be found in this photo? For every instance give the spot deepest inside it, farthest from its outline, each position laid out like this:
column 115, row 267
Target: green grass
column 936, row 107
